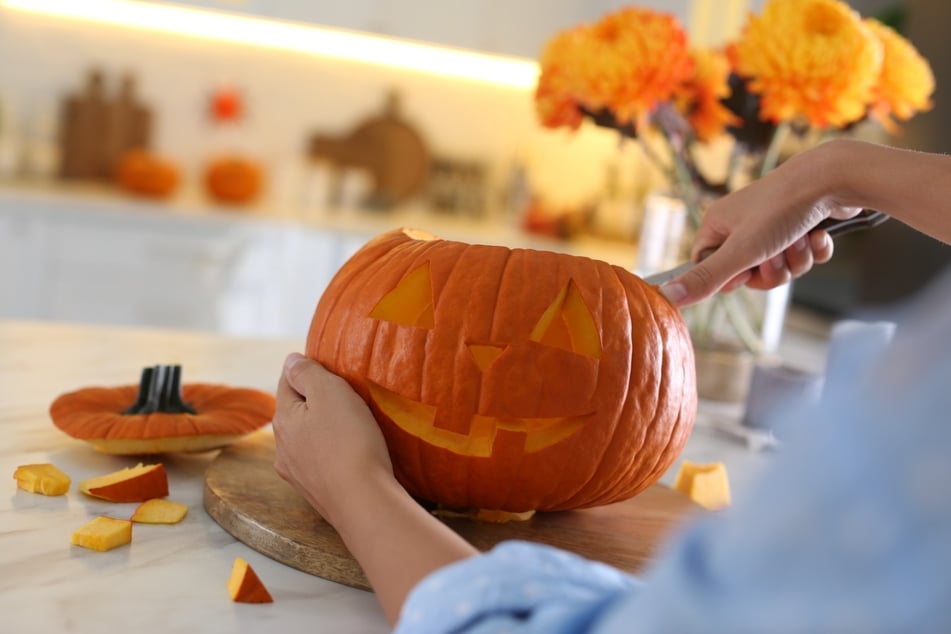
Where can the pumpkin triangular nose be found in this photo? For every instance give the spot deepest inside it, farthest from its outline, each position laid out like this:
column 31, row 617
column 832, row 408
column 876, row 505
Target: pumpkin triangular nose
column 485, row 353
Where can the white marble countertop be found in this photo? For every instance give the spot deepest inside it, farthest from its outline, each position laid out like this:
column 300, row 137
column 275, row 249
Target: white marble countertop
column 170, row 578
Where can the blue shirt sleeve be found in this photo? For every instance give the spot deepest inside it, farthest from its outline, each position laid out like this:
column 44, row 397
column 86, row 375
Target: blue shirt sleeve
column 849, row 530
column 515, row 587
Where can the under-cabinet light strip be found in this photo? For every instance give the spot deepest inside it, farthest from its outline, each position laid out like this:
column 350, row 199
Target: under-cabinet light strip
column 291, row 36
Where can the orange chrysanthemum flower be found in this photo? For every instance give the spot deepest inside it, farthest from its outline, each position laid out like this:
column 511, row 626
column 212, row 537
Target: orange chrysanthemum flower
column 699, row 98
column 626, row 63
column 906, row 81
column 556, row 95
column 810, row 59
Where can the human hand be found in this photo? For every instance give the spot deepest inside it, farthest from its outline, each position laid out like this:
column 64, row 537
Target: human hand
column 331, row 450
column 762, row 235
column 326, row 438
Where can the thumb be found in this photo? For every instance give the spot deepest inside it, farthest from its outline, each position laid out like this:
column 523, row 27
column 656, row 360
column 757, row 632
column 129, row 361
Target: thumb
column 302, row 374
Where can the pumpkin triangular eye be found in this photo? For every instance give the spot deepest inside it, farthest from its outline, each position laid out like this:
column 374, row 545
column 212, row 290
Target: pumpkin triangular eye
column 410, row 303
column 568, row 324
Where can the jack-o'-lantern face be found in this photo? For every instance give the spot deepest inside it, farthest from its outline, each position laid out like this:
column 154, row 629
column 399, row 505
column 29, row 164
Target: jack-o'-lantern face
column 566, row 324
column 509, row 379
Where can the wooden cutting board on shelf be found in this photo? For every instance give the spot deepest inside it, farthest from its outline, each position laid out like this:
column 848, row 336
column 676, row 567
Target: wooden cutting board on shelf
column 249, row 500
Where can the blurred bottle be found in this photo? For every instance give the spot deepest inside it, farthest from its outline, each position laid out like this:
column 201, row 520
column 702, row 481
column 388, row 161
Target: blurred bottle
column 41, row 149
column 9, row 142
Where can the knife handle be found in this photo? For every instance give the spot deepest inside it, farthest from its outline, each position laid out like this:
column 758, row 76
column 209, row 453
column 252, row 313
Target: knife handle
column 866, row 219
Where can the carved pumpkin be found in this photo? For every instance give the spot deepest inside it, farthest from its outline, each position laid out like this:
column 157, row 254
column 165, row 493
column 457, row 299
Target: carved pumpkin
column 147, row 174
column 509, row 379
column 160, row 415
column 232, row 179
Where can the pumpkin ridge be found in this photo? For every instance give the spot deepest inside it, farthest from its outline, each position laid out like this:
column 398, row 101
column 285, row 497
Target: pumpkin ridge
column 340, row 286
column 672, row 437
column 416, row 253
column 446, row 257
column 636, row 464
column 553, row 494
column 472, row 482
column 516, row 260
column 349, row 288
column 596, row 474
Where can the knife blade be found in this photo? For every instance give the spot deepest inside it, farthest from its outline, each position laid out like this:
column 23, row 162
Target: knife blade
column 865, row 219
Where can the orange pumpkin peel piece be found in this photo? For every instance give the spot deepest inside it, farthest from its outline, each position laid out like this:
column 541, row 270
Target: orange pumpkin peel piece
column 245, row 586
column 134, row 484
column 160, row 415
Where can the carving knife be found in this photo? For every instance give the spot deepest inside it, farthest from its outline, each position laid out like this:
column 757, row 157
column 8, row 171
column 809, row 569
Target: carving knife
column 865, row 219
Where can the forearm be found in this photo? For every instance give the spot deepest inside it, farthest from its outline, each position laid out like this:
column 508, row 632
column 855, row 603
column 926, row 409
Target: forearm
column 394, row 539
column 913, row 187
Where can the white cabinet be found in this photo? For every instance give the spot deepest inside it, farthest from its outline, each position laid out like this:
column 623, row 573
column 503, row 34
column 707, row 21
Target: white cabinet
column 22, row 265
column 106, row 260
column 136, row 265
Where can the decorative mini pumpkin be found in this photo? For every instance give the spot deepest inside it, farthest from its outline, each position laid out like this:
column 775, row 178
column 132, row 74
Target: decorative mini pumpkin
column 147, row 174
column 509, row 379
column 232, row 179
column 160, row 415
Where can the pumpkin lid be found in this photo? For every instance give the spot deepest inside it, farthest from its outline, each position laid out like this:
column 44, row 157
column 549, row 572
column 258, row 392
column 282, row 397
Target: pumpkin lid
column 160, row 415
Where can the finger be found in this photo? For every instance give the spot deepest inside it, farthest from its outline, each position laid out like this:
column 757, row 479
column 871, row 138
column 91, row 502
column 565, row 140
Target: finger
column 304, row 375
column 737, row 282
column 771, row 273
column 707, row 277
column 822, row 246
column 288, row 400
column 799, row 257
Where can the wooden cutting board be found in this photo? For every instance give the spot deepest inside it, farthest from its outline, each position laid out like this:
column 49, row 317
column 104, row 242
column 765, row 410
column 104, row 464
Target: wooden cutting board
column 249, row 500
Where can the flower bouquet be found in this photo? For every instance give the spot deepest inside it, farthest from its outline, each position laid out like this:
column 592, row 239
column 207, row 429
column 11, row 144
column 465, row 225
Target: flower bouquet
column 800, row 71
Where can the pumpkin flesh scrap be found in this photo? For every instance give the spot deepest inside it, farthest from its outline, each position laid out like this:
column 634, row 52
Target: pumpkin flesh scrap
column 102, row 534
column 45, row 479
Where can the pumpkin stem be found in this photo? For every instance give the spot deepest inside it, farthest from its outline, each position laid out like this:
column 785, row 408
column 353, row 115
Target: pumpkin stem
column 160, row 390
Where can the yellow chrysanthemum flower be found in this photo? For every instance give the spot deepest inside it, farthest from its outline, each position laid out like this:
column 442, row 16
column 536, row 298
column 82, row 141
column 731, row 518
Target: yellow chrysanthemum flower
column 810, row 59
column 626, row 63
column 906, row 82
column 699, row 98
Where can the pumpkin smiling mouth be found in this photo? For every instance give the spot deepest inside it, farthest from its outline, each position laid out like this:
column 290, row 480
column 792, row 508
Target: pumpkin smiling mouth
column 418, row 419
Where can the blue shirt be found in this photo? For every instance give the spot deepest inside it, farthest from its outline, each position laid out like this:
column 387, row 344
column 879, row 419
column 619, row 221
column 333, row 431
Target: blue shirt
column 848, row 530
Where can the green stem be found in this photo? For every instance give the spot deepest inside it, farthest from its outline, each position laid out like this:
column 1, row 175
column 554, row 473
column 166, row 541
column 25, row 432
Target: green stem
column 654, row 158
column 738, row 317
column 688, row 189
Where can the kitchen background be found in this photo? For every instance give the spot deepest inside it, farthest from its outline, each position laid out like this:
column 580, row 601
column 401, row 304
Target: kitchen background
column 341, row 146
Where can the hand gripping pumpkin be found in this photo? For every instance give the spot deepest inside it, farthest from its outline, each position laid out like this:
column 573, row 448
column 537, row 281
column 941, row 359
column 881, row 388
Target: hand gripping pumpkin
column 509, row 379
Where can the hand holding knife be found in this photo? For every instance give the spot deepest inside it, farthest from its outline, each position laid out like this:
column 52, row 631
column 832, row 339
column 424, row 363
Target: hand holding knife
column 865, row 219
